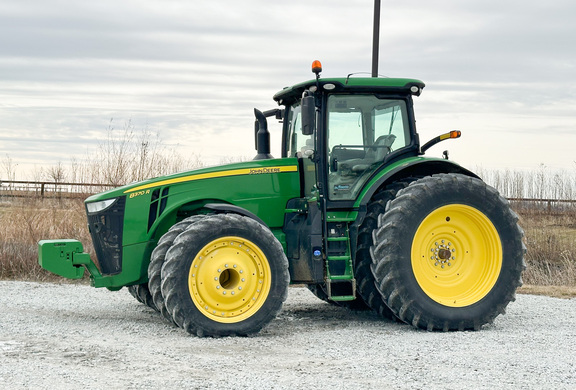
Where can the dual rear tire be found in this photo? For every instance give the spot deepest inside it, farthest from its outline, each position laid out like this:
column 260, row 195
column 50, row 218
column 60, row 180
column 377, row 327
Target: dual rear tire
column 447, row 253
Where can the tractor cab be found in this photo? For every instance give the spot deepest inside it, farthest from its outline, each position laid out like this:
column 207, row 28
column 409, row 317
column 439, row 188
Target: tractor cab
column 357, row 126
column 352, row 137
column 360, row 133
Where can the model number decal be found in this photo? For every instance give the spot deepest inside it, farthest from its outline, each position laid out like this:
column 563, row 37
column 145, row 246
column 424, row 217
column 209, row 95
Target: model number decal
column 139, row 193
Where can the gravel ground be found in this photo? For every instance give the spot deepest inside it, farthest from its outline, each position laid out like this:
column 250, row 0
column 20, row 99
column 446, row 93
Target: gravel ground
column 77, row 337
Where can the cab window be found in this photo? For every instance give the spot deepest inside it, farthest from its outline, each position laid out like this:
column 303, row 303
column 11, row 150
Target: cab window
column 362, row 131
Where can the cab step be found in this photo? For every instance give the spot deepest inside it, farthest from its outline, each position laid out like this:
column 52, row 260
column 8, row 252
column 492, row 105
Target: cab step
column 340, row 281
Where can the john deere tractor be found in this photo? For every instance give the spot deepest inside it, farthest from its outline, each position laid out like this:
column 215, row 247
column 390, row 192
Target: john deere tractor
column 352, row 209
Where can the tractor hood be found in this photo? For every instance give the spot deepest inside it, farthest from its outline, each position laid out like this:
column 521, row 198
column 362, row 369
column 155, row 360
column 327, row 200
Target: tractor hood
column 138, row 211
column 250, row 168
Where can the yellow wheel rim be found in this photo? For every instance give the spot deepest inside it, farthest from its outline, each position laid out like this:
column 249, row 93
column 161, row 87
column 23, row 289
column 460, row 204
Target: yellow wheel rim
column 229, row 279
column 456, row 255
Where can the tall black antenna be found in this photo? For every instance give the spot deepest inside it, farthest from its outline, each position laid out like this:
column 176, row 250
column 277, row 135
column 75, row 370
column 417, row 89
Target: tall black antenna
column 376, row 38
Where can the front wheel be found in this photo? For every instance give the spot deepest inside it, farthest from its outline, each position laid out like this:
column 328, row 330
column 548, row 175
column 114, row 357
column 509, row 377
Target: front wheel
column 157, row 261
column 448, row 253
column 225, row 275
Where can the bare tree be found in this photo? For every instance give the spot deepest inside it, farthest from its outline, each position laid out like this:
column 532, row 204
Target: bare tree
column 8, row 167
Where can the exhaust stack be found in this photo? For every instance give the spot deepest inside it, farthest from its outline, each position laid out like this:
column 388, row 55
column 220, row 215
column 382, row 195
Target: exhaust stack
column 262, row 136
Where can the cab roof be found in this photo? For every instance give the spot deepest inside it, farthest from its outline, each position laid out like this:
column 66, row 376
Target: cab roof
column 352, row 84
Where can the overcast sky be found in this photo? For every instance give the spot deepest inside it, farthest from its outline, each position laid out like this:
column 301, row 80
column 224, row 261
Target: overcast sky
column 503, row 72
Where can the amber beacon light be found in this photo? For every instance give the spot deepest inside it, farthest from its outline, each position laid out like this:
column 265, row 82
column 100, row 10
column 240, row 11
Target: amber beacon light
column 316, row 67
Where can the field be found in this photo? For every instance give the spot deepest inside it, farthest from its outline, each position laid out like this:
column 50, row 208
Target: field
column 550, row 237
column 23, row 222
column 551, row 254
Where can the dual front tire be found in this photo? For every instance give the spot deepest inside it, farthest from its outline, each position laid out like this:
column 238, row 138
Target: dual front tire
column 219, row 275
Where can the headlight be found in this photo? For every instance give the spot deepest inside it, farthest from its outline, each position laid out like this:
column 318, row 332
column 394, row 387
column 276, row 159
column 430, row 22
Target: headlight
column 95, row 207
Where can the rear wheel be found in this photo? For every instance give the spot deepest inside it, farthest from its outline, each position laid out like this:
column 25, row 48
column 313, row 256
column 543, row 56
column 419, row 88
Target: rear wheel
column 225, row 275
column 448, row 253
column 319, row 290
column 142, row 294
column 366, row 283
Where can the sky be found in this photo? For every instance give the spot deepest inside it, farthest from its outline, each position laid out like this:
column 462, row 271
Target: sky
column 502, row 72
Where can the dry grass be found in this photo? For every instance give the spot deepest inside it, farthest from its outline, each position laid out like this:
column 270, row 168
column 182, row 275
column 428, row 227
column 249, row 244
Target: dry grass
column 126, row 155
column 550, row 240
column 566, row 292
column 24, row 222
column 551, row 249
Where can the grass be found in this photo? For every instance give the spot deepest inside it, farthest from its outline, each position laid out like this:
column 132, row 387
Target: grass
column 551, row 249
column 24, row 222
column 128, row 154
column 550, row 241
column 550, row 291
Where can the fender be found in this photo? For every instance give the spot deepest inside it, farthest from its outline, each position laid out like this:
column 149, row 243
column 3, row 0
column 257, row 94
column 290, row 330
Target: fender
column 419, row 166
column 230, row 208
column 416, row 166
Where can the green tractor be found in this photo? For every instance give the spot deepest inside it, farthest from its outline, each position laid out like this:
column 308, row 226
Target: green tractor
column 352, row 209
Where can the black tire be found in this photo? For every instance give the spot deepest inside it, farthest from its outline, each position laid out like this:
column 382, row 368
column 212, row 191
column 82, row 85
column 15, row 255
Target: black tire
column 448, row 230
column 319, row 291
column 142, row 295
column 225, row 275
column 157, row 260
column 134, row 292
column 365, row 279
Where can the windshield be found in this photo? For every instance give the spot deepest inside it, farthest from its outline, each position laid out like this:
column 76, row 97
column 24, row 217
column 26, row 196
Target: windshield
column 362, row 131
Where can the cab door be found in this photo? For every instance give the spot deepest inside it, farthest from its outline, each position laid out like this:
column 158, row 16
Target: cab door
column 303, row 221
column 363, row 132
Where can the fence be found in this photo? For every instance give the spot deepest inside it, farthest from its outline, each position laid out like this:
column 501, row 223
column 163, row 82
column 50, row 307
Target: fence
column 544, row 206
column 45, row 189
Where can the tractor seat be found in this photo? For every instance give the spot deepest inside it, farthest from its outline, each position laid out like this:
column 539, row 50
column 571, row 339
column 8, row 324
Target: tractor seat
column 374, row 153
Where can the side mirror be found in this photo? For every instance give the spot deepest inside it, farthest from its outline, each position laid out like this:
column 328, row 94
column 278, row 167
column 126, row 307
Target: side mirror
column 308, row 115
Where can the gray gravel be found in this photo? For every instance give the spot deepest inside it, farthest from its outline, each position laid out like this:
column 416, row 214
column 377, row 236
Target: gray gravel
column 77, row 337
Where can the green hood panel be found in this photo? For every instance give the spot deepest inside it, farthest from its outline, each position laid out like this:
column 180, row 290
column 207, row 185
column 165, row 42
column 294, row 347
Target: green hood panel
column 262, row 187
column 237, row 169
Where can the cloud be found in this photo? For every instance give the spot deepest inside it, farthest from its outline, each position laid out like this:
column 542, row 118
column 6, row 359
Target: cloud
column 194, row 70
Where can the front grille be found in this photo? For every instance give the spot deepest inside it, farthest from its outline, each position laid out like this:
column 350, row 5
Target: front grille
column 106, row 231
